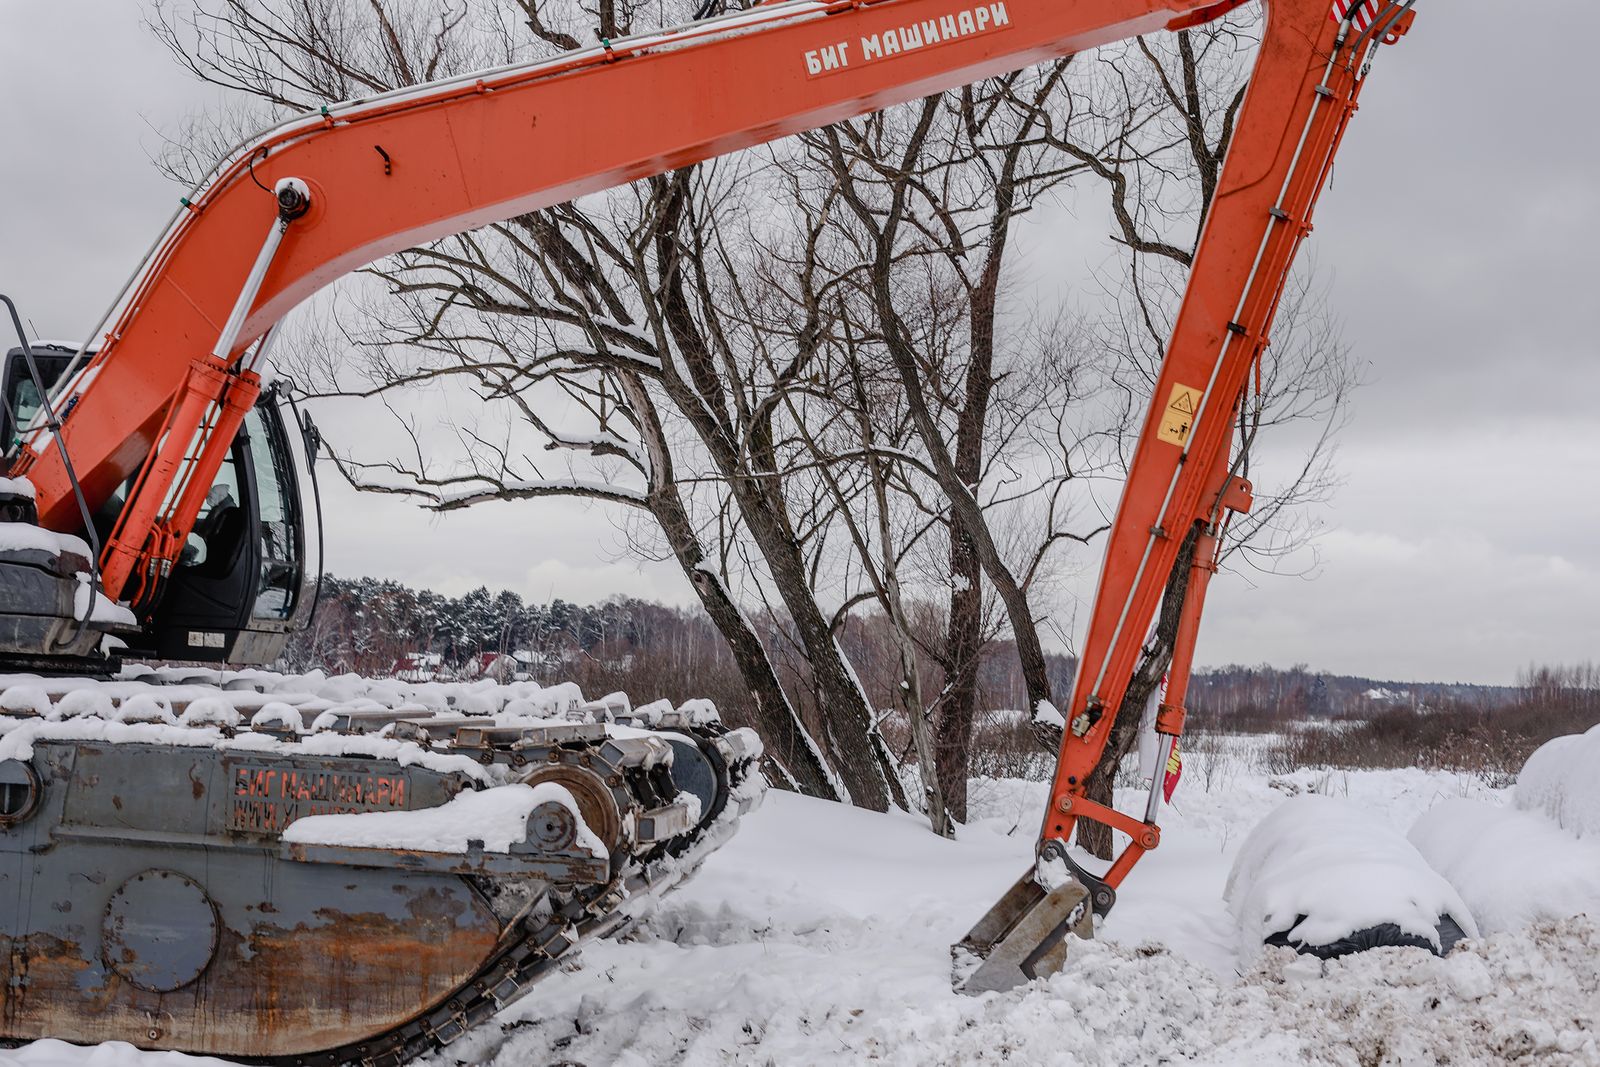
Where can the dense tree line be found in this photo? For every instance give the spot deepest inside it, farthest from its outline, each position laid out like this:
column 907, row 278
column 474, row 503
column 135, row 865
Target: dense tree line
column 654, row 650
column 366, row 625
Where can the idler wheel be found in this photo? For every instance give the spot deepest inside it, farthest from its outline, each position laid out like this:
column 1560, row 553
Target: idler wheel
column 553, row 826
column 596, row 803
column 698, row 769
column 160, row 931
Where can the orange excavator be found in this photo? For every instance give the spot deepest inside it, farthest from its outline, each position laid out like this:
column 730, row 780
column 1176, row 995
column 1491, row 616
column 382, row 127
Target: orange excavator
column 152, row 490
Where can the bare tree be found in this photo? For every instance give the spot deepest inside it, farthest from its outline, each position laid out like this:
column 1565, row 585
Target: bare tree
column 588, row 284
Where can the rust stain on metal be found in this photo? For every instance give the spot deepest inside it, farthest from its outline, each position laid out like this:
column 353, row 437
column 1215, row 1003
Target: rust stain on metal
column 280, row 991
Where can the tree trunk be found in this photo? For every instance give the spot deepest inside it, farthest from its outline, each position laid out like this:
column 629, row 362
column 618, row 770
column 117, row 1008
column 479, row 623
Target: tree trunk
column 965, row 630
column 847, row 742
column 959, row 707
column 966, row 514
column 783, row 733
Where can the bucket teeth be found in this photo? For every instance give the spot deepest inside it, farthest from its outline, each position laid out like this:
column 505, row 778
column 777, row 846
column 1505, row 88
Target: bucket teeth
column 1023, row 937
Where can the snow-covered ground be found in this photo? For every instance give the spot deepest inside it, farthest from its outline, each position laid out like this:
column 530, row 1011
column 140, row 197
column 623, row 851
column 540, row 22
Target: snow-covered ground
column 820, row 936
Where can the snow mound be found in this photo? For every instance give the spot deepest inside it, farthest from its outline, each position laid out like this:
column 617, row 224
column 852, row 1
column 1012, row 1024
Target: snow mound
column 23, row 536
column 276, row 715
column 211, row 711
column 1560, row 781
column 84, row 703
column 498, row 817
column 145, row 707
column 91, row 604
column 18, row 487
column 1511, row 867
column 1320, row 869
column 26, row 700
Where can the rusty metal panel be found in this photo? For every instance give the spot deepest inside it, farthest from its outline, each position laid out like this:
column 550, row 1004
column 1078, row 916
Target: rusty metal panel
column 305, row 957
column 146, row 894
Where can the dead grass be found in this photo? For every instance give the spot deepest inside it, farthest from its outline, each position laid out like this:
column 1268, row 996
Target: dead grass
column 1490, row 743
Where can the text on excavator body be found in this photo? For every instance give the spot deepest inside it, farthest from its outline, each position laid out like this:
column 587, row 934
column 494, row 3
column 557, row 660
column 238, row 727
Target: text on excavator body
column 982, row 18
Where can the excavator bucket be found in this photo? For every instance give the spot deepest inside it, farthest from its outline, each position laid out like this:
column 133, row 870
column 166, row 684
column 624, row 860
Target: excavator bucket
column 1023, row 937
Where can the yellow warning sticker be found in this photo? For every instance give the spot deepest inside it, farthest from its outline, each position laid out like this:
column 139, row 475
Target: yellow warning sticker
column 1177, row 419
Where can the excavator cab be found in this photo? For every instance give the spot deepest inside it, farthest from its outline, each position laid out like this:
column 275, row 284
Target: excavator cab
column 242, row 584
column 22, row 399
column 245, row 581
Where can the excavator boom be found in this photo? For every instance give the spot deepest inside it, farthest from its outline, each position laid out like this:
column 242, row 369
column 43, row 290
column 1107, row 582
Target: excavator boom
column 387, row 173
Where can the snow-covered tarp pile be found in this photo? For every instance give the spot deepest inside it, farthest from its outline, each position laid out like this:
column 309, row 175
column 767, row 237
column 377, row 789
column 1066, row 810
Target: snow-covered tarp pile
column 1536, row 860
column 1511, row 867
column 1561, row 781
column 1319, row 869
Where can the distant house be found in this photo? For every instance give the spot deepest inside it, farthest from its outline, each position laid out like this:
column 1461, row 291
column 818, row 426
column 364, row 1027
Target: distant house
column 419, row 667
column 496, row 665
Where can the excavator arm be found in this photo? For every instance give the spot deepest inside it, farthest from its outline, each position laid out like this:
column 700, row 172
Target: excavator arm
column 319, row 196
column 1184, row 481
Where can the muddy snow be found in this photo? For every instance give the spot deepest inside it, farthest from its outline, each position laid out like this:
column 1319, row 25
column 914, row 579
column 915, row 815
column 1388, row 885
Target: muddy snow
column 820, row 935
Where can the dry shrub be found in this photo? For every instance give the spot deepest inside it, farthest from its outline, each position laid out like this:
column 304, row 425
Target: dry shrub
column 1247, row 719
column 1492, row 743
column 1005, row 746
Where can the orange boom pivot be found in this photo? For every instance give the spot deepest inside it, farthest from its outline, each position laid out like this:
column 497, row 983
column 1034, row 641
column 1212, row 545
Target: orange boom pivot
column 176, row 373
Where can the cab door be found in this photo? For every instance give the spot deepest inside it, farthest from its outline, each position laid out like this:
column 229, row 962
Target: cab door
column 238, row 589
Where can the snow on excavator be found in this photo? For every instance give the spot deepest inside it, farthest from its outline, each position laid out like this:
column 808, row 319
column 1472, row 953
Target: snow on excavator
column 156, row 889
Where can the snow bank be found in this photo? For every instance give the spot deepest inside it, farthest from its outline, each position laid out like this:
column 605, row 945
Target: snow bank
column 497, row 816
column 1561, row 780
column 52, row 1053
column 821, row 934
column 1511, row 867
column 1320, row 869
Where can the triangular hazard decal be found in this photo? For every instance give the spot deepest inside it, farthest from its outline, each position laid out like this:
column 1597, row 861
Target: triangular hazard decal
column 1184, row 402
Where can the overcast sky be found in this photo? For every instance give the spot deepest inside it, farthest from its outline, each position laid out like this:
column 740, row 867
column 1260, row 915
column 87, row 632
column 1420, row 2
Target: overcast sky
column 1460, row 237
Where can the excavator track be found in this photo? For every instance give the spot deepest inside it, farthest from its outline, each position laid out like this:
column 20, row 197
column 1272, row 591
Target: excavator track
column 649, row 793
column 536, row 950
